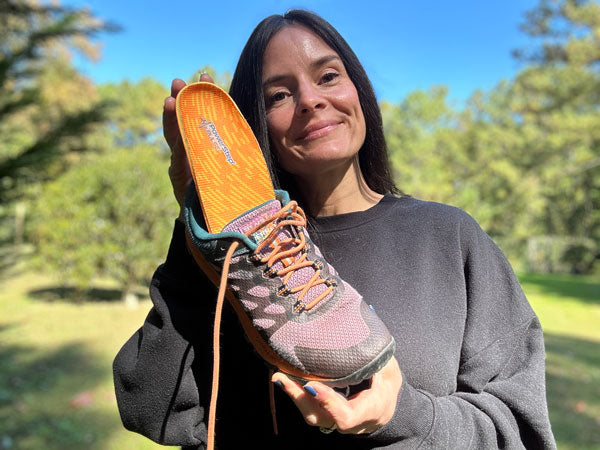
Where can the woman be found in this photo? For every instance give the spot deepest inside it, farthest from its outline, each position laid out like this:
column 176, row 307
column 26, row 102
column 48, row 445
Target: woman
column 469, row 365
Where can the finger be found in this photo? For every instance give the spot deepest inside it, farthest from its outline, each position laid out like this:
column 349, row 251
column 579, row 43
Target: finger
column 206, row 77
column 292, row 388
column 326, row 395
column 170, row 128
column 176, row 85
column 169, row 118
column 377, row 403
column 338, row 408
column 348, row 419
column 308, row 405
column 169, row 106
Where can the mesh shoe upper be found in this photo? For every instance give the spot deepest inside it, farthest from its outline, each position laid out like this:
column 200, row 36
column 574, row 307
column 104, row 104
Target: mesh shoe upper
column 311, row 318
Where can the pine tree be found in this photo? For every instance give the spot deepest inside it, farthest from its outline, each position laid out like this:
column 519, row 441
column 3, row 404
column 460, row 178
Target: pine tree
column 37, row 130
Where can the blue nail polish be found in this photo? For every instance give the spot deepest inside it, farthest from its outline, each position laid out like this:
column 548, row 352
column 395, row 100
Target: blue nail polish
column 372, row 309
column 278, row 383
column 310, row 390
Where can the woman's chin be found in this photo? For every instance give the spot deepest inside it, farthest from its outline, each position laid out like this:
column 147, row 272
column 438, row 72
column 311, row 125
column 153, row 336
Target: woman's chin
column 320, row 165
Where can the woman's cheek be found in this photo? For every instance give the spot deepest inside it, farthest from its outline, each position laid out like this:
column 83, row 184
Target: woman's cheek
column 276, row 127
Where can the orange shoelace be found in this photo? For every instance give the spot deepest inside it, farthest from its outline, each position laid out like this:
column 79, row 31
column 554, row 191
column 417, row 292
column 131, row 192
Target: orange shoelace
column 290, row 215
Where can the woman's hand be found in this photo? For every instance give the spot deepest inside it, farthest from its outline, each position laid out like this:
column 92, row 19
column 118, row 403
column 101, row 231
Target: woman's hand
column 365, row 412
column 179, row 171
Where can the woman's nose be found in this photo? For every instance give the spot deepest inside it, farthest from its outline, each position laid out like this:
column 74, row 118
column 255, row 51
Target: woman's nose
column 309, row 99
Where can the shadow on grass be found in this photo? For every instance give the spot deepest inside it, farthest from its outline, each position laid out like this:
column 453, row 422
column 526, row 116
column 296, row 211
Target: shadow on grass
column 73, row 295
column 573, row 383
column 46, row 399
column 565, row 285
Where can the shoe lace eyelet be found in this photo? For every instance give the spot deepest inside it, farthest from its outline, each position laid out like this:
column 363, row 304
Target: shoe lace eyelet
column 270, row 272
column 317, row 265
column 332, row 282
column 298, row 307
column 283, row 291
column 253, row 258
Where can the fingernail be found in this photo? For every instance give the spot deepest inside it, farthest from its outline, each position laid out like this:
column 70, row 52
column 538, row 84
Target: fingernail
column 278, row 383
column 310, row 390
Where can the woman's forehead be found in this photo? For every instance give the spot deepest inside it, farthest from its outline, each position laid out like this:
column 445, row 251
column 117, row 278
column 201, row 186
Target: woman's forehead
column 295, row 44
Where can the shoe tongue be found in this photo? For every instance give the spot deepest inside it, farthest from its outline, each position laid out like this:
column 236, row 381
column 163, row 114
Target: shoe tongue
column 249, row 220
column 255, row 217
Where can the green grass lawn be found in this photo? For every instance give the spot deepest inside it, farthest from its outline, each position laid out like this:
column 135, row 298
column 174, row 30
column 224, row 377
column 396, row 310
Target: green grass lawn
column 56, row 389
column 56, row 351
column 569, row 309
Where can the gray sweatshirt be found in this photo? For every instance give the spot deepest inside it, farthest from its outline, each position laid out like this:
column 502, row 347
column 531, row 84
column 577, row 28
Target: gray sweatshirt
column 469, row 345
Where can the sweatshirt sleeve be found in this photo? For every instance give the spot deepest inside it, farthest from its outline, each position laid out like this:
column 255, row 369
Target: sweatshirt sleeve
column 500, row 399
column 156, row 382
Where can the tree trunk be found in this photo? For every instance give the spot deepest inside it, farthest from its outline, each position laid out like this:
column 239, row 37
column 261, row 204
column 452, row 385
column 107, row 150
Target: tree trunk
column 20, row 210
column 130, row 298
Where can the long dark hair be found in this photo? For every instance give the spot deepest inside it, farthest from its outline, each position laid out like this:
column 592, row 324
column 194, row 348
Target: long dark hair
column 246, row 90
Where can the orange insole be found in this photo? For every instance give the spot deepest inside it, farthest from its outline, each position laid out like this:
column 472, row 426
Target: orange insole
column 227, row 165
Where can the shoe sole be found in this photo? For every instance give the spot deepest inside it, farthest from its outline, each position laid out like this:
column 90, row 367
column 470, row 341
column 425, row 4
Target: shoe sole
column 227, row 164
column 264, row 350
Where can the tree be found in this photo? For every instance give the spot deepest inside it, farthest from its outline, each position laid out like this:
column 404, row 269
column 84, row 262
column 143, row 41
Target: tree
column 109, row 216
column 45, row 105
column 562, row 32
column 558, row 95
column 523, row 158
column 421, row 134
column 135, row 114
column 467, row 158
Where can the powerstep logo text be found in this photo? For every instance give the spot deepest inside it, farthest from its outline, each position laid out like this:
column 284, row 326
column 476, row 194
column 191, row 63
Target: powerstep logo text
column 215, row 139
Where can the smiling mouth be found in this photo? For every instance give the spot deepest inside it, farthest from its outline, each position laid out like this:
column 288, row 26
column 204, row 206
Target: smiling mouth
column 318, row 130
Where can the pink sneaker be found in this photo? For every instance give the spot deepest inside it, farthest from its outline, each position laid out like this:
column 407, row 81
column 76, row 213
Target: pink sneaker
column 301, row 318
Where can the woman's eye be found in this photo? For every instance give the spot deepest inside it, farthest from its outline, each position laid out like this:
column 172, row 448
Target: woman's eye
column 276, row 97
column 329, row 76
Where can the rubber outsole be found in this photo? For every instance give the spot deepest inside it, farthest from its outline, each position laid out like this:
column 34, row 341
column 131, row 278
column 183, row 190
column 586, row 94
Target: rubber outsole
column 360, row 375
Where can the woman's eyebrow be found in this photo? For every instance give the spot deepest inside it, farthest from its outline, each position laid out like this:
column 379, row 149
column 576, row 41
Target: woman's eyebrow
column 272, row 80
column 316, row 63
column 324, row 60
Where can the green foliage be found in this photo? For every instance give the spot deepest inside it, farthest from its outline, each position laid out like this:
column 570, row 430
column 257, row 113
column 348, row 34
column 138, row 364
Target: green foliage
column 468, row 158
column 559, row 95
column 421, row 134
column 110, row 216
column 552, row 254
column 563, row 31
column 523, row 158
column 45, row 105
column 135, row 115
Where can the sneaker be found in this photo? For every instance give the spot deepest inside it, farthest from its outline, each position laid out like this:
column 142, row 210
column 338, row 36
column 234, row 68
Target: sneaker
column 301, row 318
column 251, row 241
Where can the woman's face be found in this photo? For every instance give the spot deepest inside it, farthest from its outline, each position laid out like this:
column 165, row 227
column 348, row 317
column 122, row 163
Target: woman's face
column 315, row 120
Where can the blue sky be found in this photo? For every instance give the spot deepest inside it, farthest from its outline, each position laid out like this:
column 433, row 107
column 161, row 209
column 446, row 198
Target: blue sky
column 464, row 44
